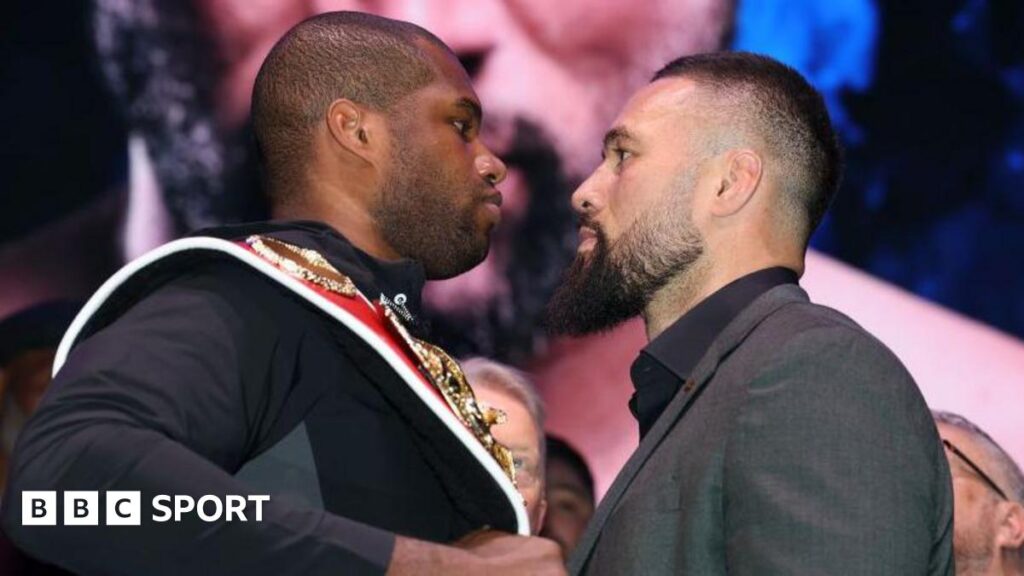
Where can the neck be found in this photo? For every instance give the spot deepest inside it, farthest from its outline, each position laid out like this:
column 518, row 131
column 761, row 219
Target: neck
column 691, row 287
column 1006, row 562
column 677, row 297
column 342, row 210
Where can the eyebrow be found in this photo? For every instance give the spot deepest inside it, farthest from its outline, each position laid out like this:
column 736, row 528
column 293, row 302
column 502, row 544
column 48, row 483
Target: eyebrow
column 472, row 106
column 614, row 135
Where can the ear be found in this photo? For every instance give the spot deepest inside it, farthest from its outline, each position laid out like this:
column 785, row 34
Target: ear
column 1010, row 528
column 542, row 512
column 355, row 128
column 739, row 180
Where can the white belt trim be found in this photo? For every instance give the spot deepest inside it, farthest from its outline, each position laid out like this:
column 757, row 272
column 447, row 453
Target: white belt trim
column 414, row 381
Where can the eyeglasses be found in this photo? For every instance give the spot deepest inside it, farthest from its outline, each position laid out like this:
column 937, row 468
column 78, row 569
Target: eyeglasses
column 988, row 480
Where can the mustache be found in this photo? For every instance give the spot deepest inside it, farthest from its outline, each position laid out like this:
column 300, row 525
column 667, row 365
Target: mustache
column 585, row 221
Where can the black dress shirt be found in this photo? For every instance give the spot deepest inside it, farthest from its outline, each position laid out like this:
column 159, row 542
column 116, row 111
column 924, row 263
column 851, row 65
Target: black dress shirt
column 209, row 373
column 669, row 359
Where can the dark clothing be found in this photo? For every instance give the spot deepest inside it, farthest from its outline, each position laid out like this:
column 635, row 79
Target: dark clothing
column 204, row 369
column 798, row 445
column 665, row 363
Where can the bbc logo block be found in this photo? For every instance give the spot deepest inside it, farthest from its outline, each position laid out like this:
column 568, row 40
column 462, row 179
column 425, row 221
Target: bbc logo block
column 124, row 508
column 38, row 508
column 81, row 508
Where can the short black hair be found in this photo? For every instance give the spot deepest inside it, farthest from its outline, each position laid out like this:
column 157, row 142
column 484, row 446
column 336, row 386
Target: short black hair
column 561, row 450
column 371, row 60
column 785, row 111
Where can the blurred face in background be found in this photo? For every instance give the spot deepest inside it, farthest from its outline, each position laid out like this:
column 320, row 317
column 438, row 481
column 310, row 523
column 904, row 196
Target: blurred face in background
column 570, row 504
column 986, row 526
column 521, row 434
column 551, row 76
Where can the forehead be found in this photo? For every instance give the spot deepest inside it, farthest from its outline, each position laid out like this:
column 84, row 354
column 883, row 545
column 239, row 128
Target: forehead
column 452, row 80
column 499, row 398
column 519, row 414
column 562, row 475
column 661, row 105
column 967, row 444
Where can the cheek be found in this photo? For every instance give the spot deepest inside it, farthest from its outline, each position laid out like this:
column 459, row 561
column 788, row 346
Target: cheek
column 532, row 493
column 455, row 163
column 627, row 200
column 968, row 505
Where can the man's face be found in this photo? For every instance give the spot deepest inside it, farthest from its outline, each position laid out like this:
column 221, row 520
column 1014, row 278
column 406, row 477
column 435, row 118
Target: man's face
column 637, row 228
column 520, row 434
column 570, row 505
column 439, row 203
column 974, row 505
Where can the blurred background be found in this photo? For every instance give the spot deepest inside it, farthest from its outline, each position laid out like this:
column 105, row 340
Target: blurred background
column 124, row 125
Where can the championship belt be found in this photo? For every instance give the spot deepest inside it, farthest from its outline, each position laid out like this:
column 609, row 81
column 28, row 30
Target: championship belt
column 431, row 375
column 436, row 367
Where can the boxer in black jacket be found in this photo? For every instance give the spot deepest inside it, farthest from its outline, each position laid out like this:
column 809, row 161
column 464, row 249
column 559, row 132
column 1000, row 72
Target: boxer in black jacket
column 285, row 358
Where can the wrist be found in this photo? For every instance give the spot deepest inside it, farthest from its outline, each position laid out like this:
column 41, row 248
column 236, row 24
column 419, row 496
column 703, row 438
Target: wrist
column 412, row 556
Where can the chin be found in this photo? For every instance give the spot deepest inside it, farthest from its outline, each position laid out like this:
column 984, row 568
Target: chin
column 465, row 264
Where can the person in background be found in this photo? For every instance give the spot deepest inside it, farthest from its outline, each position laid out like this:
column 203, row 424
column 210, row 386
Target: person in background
column 520, row 426
column 28, row 343
column 570, row 494
column 988, row 492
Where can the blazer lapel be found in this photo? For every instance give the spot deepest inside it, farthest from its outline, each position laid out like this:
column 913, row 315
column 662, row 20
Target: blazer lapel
column 731, row 337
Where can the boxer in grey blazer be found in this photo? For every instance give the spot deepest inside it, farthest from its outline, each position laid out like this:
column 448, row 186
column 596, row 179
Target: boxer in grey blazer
column 777, row 435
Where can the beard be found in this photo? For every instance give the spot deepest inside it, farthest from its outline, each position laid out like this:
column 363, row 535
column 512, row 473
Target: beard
column 155, row 60
column 417, row 217
column 616, row 281
column 508, row 325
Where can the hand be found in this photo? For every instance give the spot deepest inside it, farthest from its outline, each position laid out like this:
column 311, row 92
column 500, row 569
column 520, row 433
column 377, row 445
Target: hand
column 485, row 552
column 503, row 553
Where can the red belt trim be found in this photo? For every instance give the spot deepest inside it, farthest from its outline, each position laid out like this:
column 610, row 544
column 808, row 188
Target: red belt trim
column 371, row 316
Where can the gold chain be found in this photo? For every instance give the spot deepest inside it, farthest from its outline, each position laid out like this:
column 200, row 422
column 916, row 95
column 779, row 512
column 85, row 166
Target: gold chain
column 448, row 377
column 303, row 263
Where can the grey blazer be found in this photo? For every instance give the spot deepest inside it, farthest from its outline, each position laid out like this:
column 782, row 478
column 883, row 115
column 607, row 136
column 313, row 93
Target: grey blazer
column 800, row 445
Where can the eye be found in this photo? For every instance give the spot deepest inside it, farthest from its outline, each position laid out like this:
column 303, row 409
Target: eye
column 621, row 155
column 463, row 127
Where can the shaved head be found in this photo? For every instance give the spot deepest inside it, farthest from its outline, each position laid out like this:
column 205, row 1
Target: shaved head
column 370, row 60
column 758, row 98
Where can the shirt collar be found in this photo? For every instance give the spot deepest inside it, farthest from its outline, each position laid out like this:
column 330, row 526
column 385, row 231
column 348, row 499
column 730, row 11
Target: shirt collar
column 685, row 342
column 660, row 369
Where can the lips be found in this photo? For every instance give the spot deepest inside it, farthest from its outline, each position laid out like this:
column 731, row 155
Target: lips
column 496, row 198
column 492, row 205
column 588, row 238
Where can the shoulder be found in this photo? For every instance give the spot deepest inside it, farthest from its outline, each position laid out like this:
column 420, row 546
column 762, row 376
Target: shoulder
column 813, row 358
column 819, row 334
column 191, row 291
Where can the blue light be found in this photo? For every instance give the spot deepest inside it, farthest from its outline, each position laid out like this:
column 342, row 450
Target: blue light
column 831, row 43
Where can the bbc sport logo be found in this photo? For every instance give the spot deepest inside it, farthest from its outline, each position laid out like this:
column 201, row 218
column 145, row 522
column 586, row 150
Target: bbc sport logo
column 124, row 508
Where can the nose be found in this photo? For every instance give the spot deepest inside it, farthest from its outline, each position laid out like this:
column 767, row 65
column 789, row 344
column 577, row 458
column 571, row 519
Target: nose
column 469, row 27
column 585, row 199
column 490, row 167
